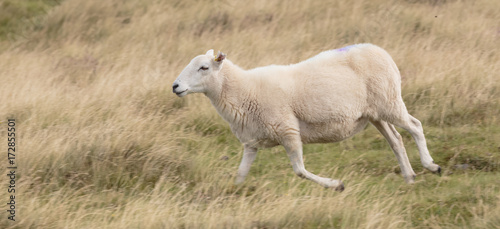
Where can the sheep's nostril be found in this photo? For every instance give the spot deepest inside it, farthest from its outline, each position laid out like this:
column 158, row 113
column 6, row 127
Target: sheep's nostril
column 175, row 86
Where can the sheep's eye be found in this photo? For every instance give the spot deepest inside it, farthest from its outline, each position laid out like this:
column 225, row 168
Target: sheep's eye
column 203, row 68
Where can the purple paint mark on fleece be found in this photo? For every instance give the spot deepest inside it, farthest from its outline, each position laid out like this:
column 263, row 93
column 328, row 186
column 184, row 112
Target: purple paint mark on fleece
column 345, row 49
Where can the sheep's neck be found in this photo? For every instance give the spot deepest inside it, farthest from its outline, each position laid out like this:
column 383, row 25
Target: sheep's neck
column 230, row 94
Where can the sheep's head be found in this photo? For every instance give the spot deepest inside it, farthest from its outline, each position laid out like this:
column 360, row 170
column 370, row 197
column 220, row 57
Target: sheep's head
column 198, row 74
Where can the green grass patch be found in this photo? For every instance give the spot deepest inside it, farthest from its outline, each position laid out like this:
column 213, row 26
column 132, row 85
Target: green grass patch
column 15, row 15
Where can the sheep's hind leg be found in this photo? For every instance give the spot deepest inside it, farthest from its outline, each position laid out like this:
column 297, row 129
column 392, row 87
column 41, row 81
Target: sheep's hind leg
column 249, row 154
column 293, row 147
column 414, row 126
column 396, row 142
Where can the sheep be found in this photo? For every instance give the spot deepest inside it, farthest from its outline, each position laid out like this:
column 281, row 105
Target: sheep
column 327, row 98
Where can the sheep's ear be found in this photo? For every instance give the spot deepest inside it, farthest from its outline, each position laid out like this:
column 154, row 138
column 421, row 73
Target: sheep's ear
column 220, row 57
column 210, row 52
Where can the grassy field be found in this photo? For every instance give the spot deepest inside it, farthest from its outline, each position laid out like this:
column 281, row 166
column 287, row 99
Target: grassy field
column 102, row 142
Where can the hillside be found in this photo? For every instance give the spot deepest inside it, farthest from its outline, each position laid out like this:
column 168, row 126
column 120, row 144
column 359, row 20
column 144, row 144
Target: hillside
column 102, row 142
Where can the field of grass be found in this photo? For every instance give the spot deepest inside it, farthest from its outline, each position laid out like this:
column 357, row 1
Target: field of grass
column 102, row 142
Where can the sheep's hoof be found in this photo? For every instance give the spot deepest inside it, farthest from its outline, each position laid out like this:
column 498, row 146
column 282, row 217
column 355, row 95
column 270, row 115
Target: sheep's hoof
column 336, row 185
column 438, row 172
column 340, row 188
column 435, row 168
column 239, row 180
column 410, row 179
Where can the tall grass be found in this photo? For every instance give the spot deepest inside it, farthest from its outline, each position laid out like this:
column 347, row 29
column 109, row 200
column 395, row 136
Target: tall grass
column 103, row 143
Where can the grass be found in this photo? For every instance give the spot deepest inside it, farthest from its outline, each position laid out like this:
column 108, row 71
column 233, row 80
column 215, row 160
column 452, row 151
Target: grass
column 18, row 16
column 103, row 143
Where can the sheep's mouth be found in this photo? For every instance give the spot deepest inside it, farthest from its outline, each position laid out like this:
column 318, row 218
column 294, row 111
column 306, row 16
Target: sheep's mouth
column 179, row 93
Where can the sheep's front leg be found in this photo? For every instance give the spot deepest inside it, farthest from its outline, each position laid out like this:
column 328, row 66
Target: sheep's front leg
column 249, row 154
column 293, row 147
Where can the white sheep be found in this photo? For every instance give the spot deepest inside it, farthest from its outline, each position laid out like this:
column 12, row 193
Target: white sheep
column 327, row 98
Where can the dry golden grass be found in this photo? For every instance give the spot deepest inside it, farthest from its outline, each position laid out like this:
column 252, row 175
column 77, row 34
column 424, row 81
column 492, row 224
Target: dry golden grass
column 103, row 143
